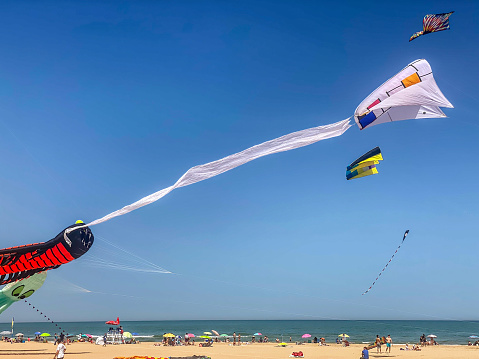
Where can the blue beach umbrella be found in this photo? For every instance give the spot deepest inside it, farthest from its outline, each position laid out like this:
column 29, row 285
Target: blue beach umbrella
column 134, row 333
column 36, row 333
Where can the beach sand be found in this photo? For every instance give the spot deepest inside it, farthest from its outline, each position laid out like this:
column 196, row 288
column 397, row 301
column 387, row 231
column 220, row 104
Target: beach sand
column 225, row 351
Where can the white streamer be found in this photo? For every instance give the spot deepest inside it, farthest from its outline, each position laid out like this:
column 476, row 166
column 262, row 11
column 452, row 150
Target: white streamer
column 202, row 172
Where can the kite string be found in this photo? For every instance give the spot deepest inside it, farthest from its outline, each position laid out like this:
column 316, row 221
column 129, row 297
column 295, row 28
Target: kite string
column 46, row 317
column 202, row 172
column 387, row 264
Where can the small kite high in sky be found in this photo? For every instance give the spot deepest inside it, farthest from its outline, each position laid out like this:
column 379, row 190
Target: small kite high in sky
column 20, row 290
column 364, row 165
column 433, row 23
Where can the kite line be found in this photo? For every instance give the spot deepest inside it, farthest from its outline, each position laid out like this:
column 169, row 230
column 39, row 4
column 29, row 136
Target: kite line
column 202, row 172
column 63, row 330
column 403, row 238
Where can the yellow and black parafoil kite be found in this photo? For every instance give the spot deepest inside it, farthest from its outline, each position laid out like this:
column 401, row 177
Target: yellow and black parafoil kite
column 364, row 165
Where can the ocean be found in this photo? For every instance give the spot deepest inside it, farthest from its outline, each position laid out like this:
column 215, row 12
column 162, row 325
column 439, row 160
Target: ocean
column 360, row 331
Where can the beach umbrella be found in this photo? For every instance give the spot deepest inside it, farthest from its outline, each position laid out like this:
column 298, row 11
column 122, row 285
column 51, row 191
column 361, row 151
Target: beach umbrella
column 135, row 333
column 343, row 335
column 204, row 337
column 45, row 335
column 257, row 334
column 169, row 335
column 282, row 344
column 190, row 335
column 208, row 333
column 473, row 337
column 432, row 336
column 36, row 333
column 127, row 335
column 5, row 332
column 306, row 336
column 223, row 335
column 215, row 332
column 89, row 335
column 19, row 335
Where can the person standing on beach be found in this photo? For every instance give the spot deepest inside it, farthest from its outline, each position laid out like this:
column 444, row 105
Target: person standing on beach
column 389, row 343
column 234, row 338
column 61, row 348
column 378, row 344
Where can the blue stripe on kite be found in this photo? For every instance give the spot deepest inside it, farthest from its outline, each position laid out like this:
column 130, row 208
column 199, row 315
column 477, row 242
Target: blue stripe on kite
column 368, row 119
column 351, row 174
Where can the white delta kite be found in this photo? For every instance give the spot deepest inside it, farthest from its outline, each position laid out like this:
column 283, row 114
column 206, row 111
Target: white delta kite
column 412, row 93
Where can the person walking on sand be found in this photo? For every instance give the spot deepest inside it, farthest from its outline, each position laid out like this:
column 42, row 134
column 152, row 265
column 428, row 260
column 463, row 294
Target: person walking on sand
column 61, row 348
column 378, row 344
column 389, row 343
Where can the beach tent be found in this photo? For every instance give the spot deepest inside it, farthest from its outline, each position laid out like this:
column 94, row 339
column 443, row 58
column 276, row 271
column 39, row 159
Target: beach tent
column 99, row 341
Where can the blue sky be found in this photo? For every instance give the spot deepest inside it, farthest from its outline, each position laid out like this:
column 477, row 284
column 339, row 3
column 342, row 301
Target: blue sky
column 102, row 103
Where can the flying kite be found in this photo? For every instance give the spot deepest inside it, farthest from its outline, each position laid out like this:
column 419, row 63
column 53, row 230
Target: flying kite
column 433, row 23
column 410, row 94
column 364, row 165
column 23, row 261
column 20, row 290
column 403, row 238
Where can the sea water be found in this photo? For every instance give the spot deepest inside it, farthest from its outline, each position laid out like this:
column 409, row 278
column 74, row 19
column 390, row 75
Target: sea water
column 359, row 331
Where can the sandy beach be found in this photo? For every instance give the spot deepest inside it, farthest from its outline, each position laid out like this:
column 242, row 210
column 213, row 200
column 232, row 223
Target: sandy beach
column 225, row 351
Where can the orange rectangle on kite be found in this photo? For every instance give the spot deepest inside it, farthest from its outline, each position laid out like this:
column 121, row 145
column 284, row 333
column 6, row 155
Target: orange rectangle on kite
column 411, row 80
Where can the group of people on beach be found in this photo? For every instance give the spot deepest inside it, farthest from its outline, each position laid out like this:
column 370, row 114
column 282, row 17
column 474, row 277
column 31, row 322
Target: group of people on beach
column 423, row 340
column 379, row 342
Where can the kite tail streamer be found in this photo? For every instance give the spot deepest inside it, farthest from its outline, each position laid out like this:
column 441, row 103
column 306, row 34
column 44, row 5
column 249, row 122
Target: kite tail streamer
column 403, row 238
column 46, row 317
column 202, row 172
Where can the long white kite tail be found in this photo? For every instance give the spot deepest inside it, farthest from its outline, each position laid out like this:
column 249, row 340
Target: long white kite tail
column 403, row 238
column 202, row 172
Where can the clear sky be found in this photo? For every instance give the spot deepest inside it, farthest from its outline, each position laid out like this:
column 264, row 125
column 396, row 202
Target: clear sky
column 104, row 102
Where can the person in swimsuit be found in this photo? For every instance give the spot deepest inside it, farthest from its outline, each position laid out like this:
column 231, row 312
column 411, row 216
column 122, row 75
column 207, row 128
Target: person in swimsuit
column 378, row 344
column 389, row 343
